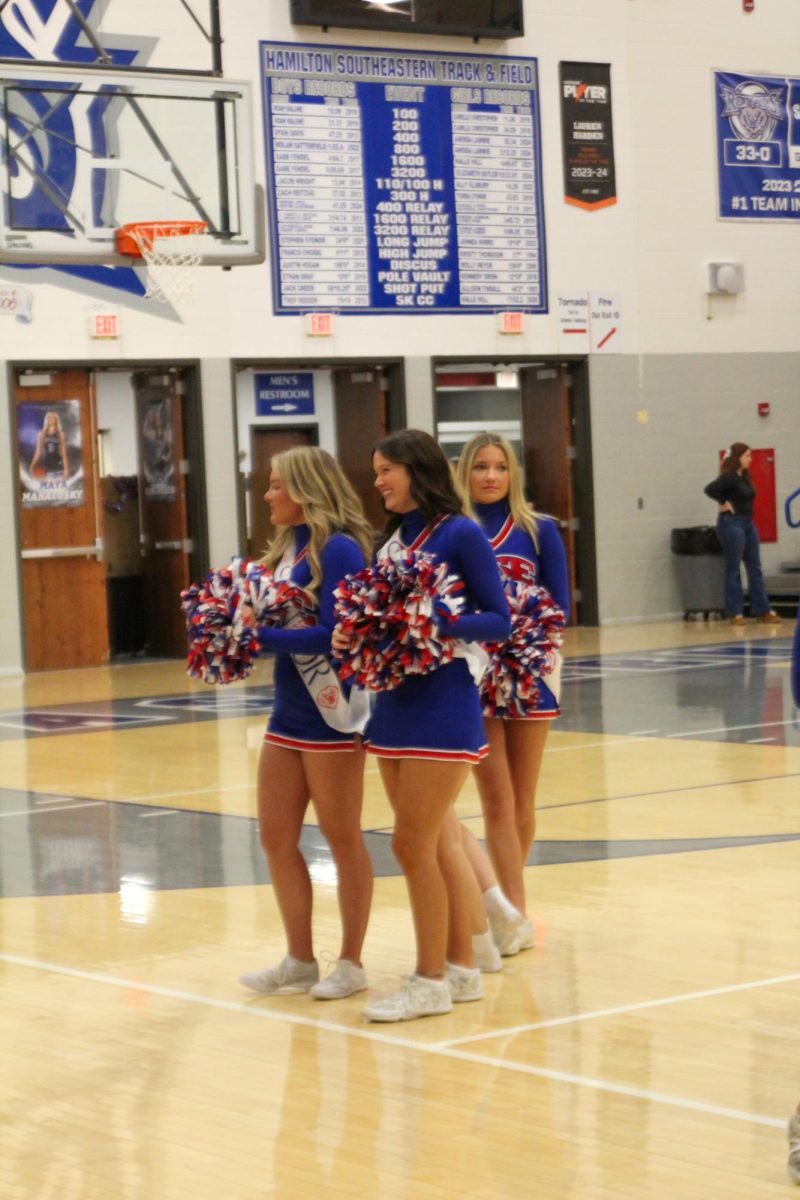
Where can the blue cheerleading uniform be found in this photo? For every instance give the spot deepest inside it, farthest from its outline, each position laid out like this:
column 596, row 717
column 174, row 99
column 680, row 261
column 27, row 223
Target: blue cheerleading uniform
column 519, row 558
column 296, row 721
column 438, row 716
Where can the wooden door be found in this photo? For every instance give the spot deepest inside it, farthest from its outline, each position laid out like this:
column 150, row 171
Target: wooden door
column 63, row 576
column 361, row 421
column 265, row 443
column 549, row 452
column 165, row 539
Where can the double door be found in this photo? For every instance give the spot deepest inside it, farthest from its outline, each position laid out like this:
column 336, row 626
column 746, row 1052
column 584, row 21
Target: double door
column 64, row 511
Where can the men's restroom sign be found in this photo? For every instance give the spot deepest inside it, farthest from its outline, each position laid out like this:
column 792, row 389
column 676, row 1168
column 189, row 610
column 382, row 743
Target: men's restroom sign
column 289, row 394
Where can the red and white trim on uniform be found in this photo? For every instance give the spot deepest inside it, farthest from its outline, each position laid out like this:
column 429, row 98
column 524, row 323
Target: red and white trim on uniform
column 503, row 533
column 290, row 743
column 544, row 714
column 424, row 752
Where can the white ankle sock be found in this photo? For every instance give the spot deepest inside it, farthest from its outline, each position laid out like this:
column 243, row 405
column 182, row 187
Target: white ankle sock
column 461, row 970
column 482, row 943
column 494, row 898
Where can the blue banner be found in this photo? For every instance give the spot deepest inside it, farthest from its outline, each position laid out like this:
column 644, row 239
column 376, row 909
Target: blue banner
column 403, row 180
column 287, row 394
column 758, row 146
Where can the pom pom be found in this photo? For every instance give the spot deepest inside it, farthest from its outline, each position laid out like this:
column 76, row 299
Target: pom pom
column 393, row 615
column 220, row 616
column 510, row 685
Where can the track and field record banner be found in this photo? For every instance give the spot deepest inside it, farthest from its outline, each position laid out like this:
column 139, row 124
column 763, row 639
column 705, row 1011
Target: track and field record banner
column 758, row 146
column 403, row 181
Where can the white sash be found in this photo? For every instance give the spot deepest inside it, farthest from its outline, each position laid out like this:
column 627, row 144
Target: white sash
column 473, row 653
column 553, row 680
column 345, row 714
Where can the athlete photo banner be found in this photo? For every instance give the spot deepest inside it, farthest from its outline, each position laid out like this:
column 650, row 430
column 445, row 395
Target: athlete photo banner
column 158, row 459
column 587, row 134
column 50, row 449
column 758, row 146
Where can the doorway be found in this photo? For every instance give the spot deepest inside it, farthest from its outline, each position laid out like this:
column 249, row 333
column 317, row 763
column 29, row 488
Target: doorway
column 541, row 407
column 344, row 407
column 110, row 510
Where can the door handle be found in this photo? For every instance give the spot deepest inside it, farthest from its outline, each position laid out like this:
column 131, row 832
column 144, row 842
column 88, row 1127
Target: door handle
column 63, row 552
column 168, row 545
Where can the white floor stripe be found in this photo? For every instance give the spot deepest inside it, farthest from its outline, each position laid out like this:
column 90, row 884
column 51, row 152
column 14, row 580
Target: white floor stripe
column 444, row 1049
column 27, row 812
column 625, row 1008
column 729, row 728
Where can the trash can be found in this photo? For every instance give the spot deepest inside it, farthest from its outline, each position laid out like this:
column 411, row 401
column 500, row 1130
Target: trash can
column 701, row 569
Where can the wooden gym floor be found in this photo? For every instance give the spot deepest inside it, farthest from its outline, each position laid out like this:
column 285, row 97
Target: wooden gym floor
column 649, row 1047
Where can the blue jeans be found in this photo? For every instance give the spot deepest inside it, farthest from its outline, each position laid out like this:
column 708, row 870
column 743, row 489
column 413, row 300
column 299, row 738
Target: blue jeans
column 739, row 540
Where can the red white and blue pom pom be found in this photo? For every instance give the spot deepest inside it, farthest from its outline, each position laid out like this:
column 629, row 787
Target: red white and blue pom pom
column 223, row 643
column 510, row 685
column 393, row 614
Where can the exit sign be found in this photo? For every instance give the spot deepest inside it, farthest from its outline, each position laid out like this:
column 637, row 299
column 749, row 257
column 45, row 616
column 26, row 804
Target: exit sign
column 511, row 322
column 103, row 323
column 319, row 324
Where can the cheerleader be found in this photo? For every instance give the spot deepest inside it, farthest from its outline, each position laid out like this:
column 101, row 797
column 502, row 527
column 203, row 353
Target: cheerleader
column 311, row 749
column 428, row 731
column 528, row 547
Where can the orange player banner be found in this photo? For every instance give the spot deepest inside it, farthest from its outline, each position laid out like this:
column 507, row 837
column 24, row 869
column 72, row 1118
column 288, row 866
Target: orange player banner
column 587, row 134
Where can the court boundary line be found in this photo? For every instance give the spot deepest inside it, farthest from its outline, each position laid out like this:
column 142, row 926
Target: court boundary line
column 639, row 1006
column 442, row 1049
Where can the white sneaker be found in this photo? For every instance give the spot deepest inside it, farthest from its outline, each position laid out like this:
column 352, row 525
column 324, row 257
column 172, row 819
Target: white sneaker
column 418, row 997
column 289, row 976
column 344, row 980
column 485, row 953
column 464, row 982
column 505, row 931
column 794, row 1147
column 526, row 934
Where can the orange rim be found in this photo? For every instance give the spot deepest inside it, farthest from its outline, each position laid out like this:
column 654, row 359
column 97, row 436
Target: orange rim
column 131, row 237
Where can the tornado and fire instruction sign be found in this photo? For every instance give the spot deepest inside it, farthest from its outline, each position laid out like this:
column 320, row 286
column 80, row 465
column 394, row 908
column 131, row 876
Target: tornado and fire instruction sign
column 758, row 146
column 403, row 180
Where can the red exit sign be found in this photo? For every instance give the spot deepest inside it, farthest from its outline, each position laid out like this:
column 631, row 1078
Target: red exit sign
column 104, row 324
column 511, row 322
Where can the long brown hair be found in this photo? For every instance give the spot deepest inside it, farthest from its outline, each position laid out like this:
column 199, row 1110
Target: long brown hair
column 432, row 486
column 732, row 459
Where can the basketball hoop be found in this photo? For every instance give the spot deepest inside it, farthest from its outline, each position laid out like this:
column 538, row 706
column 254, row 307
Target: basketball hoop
column 172, row 251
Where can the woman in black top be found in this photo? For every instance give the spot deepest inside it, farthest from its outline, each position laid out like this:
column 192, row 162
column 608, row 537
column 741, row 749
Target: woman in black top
column 734, row 492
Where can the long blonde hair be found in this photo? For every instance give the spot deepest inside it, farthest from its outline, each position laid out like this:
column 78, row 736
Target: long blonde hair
column 314, row 479
column 524, row 518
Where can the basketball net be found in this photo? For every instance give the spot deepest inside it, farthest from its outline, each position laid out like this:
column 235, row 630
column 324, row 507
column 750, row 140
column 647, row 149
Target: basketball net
column 171, row 250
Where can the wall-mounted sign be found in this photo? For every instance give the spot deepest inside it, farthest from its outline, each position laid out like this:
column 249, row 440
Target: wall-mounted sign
column 605, row 327
column 403, row 180
column 289, row 394
column 573, row 322
column 758, row 146
column 17, row 302
column 50, row 448
column 103, row 322
column 587, row 134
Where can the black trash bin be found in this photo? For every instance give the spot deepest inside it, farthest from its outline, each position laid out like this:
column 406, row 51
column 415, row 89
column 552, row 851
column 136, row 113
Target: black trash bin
column 701, row 568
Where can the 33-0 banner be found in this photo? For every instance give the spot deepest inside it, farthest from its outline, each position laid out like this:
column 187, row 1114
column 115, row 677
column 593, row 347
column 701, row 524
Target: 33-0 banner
column 758, row 146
